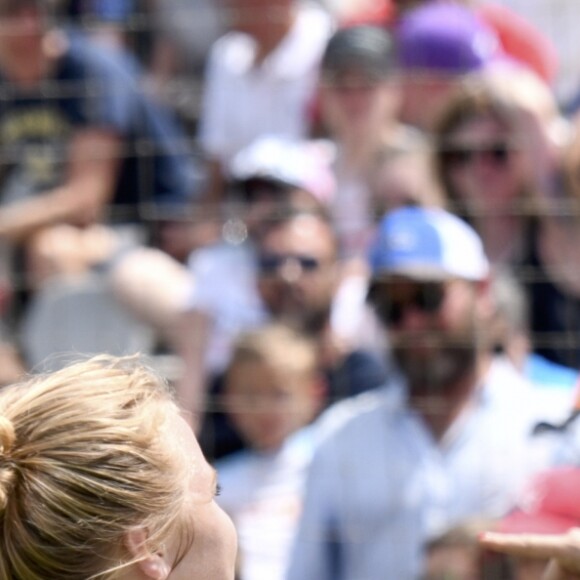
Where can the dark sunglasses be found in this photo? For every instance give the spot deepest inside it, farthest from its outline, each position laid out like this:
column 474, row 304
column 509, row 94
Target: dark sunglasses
column 495, row 153
column 257, row 189
column 270, row 264
column 391, row 304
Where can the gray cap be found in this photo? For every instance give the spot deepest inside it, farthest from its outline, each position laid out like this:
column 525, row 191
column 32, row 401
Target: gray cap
column 365, row 49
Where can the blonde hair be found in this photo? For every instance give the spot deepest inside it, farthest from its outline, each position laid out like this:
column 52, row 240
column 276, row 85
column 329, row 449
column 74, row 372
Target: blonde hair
column 284, row 349
column 82, row 463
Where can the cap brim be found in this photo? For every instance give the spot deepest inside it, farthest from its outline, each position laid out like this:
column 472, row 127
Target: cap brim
column 421, row 273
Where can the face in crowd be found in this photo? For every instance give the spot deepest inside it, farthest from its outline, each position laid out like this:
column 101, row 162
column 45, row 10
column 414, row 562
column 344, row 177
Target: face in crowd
column 22, row 26
column 298, row 271
column 482, row 163
column 436, row 328
column 273, row 387
column 356, row 102
column 418, row 111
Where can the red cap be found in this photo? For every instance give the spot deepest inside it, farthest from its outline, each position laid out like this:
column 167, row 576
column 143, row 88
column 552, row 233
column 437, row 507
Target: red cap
column 549, row 505
column 521, row 40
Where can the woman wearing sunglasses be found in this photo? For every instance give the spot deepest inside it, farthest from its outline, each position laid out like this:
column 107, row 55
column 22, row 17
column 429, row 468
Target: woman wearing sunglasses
column 101, row 478
column 499, row 150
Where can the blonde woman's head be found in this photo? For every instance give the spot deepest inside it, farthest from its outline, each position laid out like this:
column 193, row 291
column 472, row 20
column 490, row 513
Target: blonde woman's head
column 97, row 475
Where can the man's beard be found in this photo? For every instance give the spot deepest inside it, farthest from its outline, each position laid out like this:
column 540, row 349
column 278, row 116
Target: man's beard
column 310, row 321
column 437, row 371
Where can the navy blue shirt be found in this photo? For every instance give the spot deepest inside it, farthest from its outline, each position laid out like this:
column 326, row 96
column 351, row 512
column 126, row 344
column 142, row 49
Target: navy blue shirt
column 93, row 87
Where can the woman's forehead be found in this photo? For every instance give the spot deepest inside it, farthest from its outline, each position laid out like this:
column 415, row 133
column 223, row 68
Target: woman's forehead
column 200, row 476
column 480, row 124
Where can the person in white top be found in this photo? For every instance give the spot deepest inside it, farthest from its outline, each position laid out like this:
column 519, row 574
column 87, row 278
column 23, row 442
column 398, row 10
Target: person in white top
column 452, row 439
column 273, row 391
column 260, row 78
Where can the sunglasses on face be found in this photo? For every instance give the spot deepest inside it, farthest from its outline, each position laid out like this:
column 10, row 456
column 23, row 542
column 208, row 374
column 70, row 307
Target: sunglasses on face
column 391, row 301
column 259, row 189
column 497, row 154
column 270, row 264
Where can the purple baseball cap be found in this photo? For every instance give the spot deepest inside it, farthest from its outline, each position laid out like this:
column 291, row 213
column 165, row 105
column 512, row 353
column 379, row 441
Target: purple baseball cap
column 445, row 37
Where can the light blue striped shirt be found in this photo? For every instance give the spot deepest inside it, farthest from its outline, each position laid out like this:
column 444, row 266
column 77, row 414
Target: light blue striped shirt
column 380, row 486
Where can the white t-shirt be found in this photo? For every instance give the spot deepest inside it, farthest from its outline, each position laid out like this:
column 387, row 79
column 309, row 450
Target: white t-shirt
column 224, row 288
column 242, row 102
column 262, row 493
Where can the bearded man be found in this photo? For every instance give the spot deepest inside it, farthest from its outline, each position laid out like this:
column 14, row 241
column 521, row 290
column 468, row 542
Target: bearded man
column 450, row 439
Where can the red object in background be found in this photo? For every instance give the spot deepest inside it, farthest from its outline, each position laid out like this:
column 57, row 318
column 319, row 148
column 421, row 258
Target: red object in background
column 521, row 40
column 549, row 504
column 378, row 12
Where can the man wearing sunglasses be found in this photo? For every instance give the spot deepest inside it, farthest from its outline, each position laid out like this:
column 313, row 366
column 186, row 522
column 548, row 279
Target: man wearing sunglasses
column 298, row 278
column 284, row 268
column 449, row 440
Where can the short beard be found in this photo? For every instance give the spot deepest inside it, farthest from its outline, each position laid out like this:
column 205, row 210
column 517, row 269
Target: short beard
column 438, row 374
column 309, row 322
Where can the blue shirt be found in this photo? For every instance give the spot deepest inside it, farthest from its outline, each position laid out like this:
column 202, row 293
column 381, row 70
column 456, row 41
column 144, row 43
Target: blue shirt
column 380, row 486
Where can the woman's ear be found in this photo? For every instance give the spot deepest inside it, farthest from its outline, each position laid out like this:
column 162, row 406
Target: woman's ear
column 151, row 565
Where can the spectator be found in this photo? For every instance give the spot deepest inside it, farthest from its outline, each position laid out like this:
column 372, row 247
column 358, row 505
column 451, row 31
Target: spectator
column 359, row 104
column 273, row 391
column 80, row 147
column 437, row 45
column 299, row 284
column 519, row 39
column 499, row 149
column 260, row 78
column 448, row 441
column 272, row 177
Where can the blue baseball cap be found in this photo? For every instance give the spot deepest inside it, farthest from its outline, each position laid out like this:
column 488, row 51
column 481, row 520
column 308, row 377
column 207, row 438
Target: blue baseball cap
column 427, row 244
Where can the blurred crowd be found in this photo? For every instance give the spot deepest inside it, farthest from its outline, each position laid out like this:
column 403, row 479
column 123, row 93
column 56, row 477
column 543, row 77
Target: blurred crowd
column 346, row 231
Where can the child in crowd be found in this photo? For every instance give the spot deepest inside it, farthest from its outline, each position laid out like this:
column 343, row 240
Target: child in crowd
column 273, row 391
